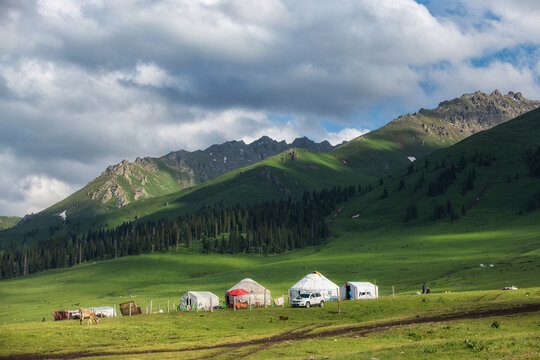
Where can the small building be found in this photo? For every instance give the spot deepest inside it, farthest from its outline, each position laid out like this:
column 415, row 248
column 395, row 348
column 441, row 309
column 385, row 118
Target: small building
column 257, row 295
column 359, row 291
column 199, row 300
column 315, row 282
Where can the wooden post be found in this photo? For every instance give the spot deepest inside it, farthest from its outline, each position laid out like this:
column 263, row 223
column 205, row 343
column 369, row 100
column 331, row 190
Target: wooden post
column 211, row 305
column 265, row 297
column 282, row 300
column 158, row 308
column 339, row 305
column 393, row 293
column 101, row 310
column 146, row 307
column 151, row 306
column 130, row 309
column 167, row 306
column 376, row 292
column 234, row 303
column 249, row 302
column 173, row 307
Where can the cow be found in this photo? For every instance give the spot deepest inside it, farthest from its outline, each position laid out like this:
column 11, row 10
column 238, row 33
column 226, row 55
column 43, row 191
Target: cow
column 88, row 314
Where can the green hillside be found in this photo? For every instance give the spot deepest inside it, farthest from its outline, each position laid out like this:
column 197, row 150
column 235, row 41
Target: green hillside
column 7, row 222
column 129, row 191
column 369, row 237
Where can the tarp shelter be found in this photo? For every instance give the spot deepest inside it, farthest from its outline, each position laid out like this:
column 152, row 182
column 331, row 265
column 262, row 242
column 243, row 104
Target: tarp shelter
column 315, row 282
column 61, row 315
column 199, row 300
column 104, row 311
column 359, row 290
column 258, row 294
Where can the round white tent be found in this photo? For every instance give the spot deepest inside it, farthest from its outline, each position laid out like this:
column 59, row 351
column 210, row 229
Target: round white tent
column 359, row 290
column 198, row 300
column 315, row 282
column 258, row 294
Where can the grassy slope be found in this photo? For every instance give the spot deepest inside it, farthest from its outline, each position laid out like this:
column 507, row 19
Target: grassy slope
column 378, row 244
column 269, row 179
column 7, row 222
column 372, row 155
column 138, row 336
column 386, row 149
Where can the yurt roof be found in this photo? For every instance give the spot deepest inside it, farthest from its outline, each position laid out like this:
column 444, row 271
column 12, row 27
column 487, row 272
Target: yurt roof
column 249, row 285
column 200, row 294
column 360, row 283
column 314, row 281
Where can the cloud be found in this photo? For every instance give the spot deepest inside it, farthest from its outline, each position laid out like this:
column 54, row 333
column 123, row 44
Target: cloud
column 345, row 134
column 86, row 84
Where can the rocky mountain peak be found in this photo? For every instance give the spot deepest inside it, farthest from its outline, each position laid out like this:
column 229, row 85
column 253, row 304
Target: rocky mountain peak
column 479, row 111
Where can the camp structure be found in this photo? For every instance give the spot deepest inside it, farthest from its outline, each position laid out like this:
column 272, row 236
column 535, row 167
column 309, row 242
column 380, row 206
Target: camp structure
column 257, row 295
column 315, row 282
column 129, row 308
column 359, row 290
column 104, row 311
column 198, row 300
column 66, row 315
column 61, row 315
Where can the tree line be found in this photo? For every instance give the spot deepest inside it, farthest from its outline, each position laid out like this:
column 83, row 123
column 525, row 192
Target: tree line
column 268, row 227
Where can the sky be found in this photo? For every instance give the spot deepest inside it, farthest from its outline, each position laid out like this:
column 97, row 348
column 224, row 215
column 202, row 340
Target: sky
column 85, row 84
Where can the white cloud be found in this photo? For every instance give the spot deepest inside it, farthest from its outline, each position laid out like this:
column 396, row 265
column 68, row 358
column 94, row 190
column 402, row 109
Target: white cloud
column 345, row 134
column 85, row 84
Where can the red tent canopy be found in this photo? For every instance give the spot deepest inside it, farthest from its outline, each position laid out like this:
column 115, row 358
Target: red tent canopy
column 238, row 292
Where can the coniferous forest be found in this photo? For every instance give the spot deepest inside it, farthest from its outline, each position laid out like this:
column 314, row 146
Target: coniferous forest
column 264, row 228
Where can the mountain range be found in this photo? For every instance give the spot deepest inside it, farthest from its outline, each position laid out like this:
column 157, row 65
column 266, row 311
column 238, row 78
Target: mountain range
column 235, row 172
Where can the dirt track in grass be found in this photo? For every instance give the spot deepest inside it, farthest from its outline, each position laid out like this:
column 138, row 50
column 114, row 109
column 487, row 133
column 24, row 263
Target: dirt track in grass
column 302, row 333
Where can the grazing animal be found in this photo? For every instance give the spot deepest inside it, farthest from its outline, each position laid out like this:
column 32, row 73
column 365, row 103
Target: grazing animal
column 88, row 314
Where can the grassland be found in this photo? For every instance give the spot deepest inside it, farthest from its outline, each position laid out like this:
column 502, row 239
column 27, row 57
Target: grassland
column 449, row 326
column 7, row 222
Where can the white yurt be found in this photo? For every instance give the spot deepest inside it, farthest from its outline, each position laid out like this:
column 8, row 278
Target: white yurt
column 257, row 295
column 353, row 290
column 315, row 282
column 198, row 300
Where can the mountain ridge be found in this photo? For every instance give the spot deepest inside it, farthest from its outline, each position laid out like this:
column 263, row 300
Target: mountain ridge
column 363, row 159
column 417, row 134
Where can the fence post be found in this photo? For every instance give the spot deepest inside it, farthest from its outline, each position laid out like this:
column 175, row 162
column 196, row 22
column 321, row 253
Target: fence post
column 393, row 293
column 211, row 305
column 146, row 307
column 234, row 303
column 158, row 308
column 282, row 300
column 173, row 306
column 151, row 306
column 129, row 309
column 339, row 303
column 265, row 297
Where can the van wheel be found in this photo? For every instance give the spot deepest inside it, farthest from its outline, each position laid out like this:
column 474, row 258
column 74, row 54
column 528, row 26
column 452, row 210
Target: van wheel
column 307, row 305
column 322, row 303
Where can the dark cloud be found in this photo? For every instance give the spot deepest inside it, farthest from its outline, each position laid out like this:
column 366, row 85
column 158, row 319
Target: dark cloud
column 85, row 84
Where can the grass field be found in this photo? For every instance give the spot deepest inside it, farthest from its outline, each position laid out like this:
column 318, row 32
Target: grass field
column 449, row 326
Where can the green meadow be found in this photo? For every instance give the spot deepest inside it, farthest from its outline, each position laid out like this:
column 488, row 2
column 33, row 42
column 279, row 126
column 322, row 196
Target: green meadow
column 466, row 325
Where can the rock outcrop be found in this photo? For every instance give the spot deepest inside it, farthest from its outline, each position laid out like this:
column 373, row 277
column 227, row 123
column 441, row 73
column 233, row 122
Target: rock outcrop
column 475, row 112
